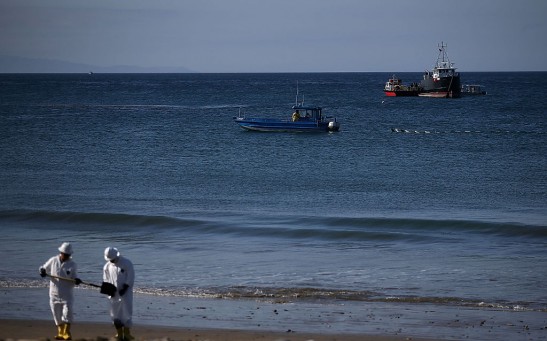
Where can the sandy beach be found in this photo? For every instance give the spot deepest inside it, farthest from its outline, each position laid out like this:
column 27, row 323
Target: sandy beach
column 41, row 330
column 26, row 316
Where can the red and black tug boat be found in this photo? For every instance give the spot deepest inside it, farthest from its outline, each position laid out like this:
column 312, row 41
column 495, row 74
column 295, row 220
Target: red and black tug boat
column 395, row 87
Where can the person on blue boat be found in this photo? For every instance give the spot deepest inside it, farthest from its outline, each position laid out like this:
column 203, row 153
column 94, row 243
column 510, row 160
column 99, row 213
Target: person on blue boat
column 119, row 271
column 63, row 277
column 295, row 116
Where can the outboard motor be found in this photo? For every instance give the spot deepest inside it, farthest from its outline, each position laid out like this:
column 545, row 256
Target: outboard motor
column 334, row 125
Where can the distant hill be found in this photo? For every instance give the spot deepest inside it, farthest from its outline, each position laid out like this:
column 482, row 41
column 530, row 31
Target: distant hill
column 9, row 64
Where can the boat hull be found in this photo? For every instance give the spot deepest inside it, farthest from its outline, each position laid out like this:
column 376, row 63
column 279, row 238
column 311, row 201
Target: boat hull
column 436, row 94
column 401, row 93
column 273, row 125
column 449, row 86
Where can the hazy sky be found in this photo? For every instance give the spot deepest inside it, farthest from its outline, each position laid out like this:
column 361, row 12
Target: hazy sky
column 279, row 35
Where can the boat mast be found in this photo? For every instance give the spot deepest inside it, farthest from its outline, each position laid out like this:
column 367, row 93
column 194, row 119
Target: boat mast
column 442, row 59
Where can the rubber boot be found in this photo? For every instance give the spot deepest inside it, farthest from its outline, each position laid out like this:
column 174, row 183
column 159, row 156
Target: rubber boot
column 127, row 334
column 119, row 333
column 60, row 332
column 66, row 332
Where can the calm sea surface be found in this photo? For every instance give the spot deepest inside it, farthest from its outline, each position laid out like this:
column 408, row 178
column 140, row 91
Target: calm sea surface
column 451, row 212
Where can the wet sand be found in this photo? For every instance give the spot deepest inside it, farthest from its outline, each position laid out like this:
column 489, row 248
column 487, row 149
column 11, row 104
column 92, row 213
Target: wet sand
column 25, row 315
column 41, row 330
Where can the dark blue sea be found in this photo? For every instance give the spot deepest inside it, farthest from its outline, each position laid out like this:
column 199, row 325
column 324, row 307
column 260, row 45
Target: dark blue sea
column 423, row 201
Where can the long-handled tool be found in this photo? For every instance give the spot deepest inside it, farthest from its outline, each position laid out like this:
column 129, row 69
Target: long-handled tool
column 106, row 288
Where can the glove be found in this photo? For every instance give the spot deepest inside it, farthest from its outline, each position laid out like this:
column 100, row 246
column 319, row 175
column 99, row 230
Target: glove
column 123, row 290
column 77, row 281
column 43, row 272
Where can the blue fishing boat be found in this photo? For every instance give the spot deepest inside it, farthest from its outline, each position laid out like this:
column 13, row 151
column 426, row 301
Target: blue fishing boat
column 303, row 119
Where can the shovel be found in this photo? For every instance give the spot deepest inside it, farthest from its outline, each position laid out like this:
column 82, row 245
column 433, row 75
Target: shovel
column 106, row 288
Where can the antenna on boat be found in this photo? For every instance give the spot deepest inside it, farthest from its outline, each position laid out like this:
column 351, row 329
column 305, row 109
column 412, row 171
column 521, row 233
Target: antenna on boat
column 296, row 102
column 297, row 93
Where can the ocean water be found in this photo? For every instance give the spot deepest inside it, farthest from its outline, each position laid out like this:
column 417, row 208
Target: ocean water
column 415, row 200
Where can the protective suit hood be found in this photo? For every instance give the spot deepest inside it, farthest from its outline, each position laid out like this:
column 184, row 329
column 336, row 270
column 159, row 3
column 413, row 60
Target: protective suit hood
column 111, row 253
column 66, row 248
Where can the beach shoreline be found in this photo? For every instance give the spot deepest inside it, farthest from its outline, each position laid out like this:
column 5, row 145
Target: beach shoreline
column 26, row 315
column 41, row 329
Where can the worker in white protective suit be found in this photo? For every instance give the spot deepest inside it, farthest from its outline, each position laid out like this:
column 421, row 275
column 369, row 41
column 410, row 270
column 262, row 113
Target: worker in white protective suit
column 119, row 271
column 63, row 277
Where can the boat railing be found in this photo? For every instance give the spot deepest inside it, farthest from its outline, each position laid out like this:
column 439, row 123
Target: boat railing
column 239, row 115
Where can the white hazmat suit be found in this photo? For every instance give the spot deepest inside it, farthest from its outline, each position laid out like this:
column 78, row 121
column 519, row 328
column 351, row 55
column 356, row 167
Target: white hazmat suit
column 119, row 271
column 61, row 297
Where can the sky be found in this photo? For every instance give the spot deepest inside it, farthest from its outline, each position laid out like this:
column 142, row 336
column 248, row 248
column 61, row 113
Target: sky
column 277, row 35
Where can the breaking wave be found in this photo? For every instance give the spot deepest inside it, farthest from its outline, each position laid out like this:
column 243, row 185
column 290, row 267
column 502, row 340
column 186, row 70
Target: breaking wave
column 291, row 227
